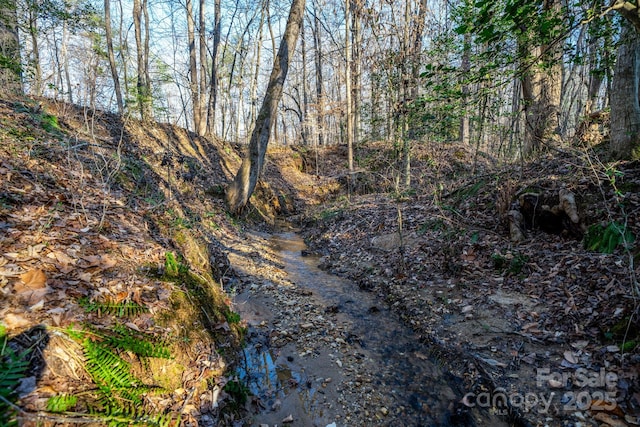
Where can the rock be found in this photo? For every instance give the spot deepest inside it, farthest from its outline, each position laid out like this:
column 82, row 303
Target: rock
column 384, row 411
column 288, row 419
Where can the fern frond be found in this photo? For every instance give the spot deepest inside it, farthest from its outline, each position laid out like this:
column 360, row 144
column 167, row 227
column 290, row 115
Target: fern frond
column 107, row 368
column 138, row 343
column 121, row 309
column 61, row 403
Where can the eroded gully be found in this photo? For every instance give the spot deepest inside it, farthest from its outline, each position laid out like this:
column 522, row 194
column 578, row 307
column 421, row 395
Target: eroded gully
column 321, row 352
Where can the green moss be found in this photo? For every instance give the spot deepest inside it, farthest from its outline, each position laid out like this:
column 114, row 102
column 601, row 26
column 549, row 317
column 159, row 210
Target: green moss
column 49, row 123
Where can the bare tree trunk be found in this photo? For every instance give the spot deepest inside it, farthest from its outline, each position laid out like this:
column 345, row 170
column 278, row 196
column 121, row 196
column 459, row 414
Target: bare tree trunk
column 273, row 46
column 143, row 92
column 304, row 131
column 240, row 190
column 147, row 77
column 317, row 44
column 193, row 67
column 213, row 98
column 625, row 107
column 405, row 57
column 357, row 68
column 465, row 129
column 201, row 129
column 35, row 51
column 123, row 52
column 347, row 78
column 256, row 74
column 112, row 58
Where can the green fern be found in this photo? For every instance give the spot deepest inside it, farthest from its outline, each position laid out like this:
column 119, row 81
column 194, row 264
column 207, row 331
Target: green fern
column 107, row 368
column 13, row 367
column 138, row 343
column 118, row 397
column 126, row 309
column 61, row 403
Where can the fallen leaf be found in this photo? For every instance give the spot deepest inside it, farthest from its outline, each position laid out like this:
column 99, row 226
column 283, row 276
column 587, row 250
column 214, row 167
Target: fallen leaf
column 15, row 321
column 31, row 280
column 610, row 420
column 133, row 326
column 569, row 356
column 85, row 277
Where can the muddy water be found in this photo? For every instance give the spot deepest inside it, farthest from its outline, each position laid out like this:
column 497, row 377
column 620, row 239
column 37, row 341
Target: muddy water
column 417, row 391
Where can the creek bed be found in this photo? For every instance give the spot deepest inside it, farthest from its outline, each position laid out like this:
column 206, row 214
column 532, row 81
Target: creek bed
column 417, row 388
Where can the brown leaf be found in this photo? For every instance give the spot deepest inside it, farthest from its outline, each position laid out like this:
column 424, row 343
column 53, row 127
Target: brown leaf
column 107, row 262
column 14, row 321
column 31, row 280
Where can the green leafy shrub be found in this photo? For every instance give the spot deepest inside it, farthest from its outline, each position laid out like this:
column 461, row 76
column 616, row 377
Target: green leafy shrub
column 605, row 238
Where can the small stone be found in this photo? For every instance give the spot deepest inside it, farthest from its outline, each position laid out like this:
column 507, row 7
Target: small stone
column 288, row 419
column 339, row 363
column 384, row 411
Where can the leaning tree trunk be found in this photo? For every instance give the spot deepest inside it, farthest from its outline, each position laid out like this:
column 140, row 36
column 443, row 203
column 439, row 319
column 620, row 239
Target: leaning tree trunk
column 625, row 107
column 240, row 189
column 111, row 56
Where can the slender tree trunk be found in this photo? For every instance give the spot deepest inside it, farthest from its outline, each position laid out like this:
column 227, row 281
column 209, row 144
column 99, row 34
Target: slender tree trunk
column 357, row 68
column 256, row 73
column 406, row 77
column 141, row 85
column 123, row 53
column 304, row 131
column 111, row 55
column 193, row 66
column 147, row 77
column 317, row 44
column 213, row 98
column 202, row 40
column 65, row 61
column 273, row 50
column 625, row 106
column 35, row 51
column 241, row 188
column 465, row 129
column 347, row 78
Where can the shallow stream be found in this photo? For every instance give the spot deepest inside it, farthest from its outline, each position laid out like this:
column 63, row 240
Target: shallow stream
column 418, row 391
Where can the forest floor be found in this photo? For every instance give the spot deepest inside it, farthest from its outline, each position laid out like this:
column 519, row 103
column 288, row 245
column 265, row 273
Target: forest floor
column 551, row 326
column 113, row 233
